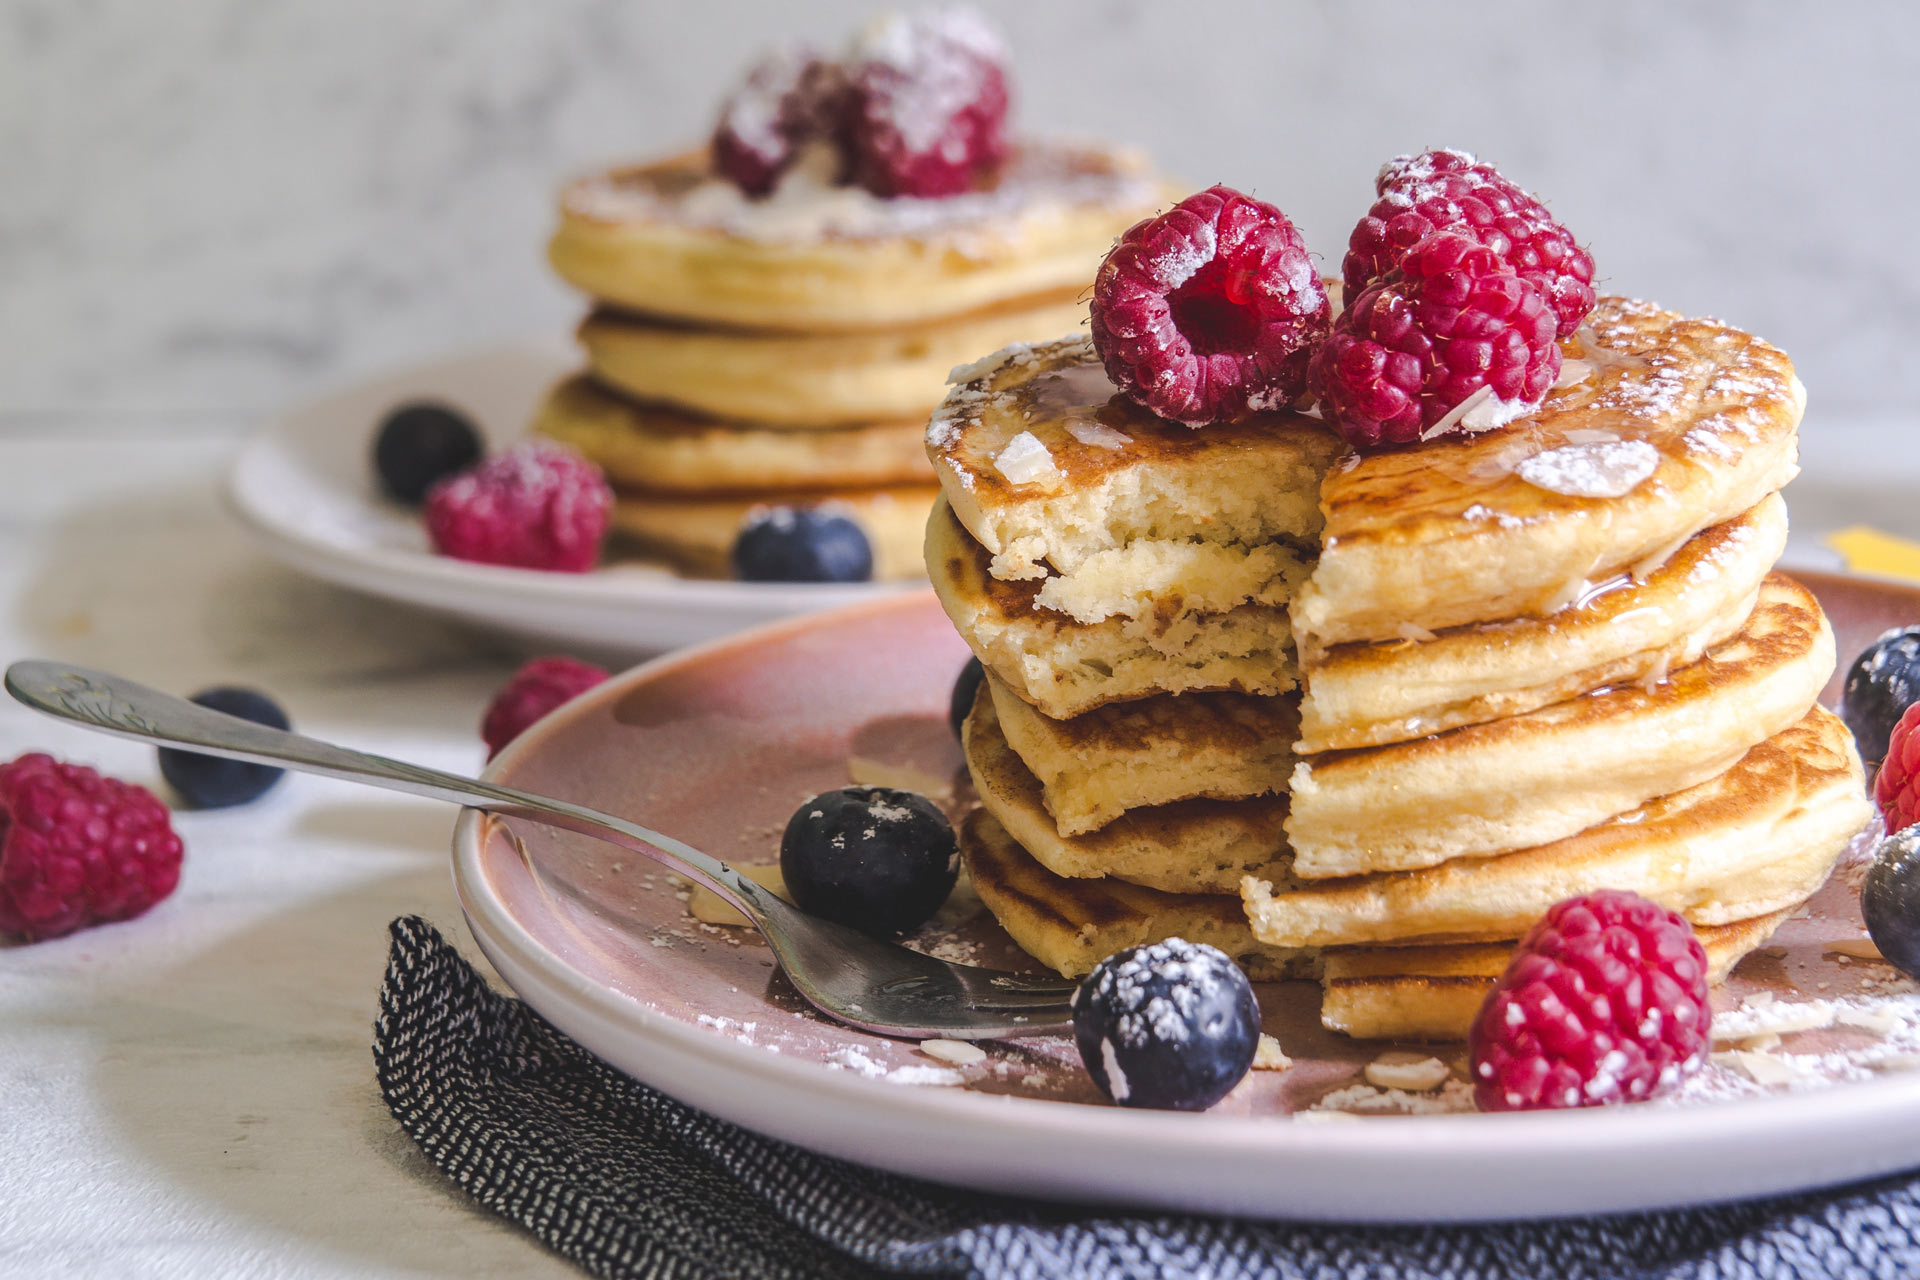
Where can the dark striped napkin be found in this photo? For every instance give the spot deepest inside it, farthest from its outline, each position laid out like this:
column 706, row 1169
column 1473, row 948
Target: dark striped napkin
column 625, row 1181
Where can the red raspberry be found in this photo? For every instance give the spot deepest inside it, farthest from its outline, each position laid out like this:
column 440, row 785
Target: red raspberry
column 927, row 103
column 77, row 848
column 535, row 689
column 1450, row 190
column 789, row 99
column 1211, row 310
column 537, row 505
column 1897, row 789
column 1604, row 1001
column 1407, row 351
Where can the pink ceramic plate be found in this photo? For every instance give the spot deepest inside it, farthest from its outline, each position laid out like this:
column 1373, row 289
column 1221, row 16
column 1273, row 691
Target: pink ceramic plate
column 718, row 745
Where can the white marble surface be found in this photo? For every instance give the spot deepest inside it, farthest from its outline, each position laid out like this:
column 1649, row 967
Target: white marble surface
column 213, row 206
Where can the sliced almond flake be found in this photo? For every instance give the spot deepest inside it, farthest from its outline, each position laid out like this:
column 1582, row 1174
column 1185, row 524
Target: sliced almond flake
column 1458, row 412
column 1878, row 1021
column 1858, row 948
column 1413, row 1072
column 959, row 1052
column 1268, row 1056
column 1571, row 372
column 1098, row 434
column 708, row 907
column 1599, row 470
column 1026, row 461
column 863, row 771
column 1413, row 631
column 1761, row 1068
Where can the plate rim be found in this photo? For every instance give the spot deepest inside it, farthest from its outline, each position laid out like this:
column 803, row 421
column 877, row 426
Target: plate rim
column 1643, row 1132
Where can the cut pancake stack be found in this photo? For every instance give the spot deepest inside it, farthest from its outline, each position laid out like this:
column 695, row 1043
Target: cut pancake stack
column 1363, row 718
column 786, row 352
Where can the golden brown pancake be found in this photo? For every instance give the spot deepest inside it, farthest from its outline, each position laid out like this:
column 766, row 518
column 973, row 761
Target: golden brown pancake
column 1760, row 836
column 671, row 239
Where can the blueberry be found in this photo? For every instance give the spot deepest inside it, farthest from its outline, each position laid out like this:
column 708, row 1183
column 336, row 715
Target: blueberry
column 210, row 782
column 788, row 544
column 419, row 444
column 879, row 860
column 1172, row 1026
column 1882, row 683
column 964, row 690
column 1890, row 900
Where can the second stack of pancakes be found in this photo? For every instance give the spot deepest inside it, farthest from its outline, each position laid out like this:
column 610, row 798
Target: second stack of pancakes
column 1364, row 718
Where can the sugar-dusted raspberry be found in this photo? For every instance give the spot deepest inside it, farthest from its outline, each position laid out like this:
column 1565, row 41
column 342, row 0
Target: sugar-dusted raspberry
column 1450, row 190
column 78, row 849
column 927, row 103
column 1897, row 787
column 1209, row 311
column 1451, row 322
column 537, row 505
column 790, row 98
column 1604, row 1001
column 536, row 688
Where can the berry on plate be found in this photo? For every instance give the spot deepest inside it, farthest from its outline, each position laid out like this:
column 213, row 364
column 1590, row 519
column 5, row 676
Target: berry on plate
column 926, row 103
column 1452, row 335
column 535, row 689
column 1211, row 310
column 1604, row 1001
column 421, row 444
column 803, row 544
column 1172, row 1026
column 537, row 505
column 791, row 98
column 1450, row 190
column 873, row 858
column 78, row 849
column 1890, row 900
column 1896, row 789
column 965, row 686
column 1881, row 684
column 211, row 782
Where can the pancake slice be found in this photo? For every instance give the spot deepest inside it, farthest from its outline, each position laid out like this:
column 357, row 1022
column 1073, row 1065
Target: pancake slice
column 1434, row 992
column 1189, row 846
column 1097, row 766
column 1758, row 837
column 811, row 381
column 1367, row 694
column 1065, row 668
column 1526, row 780
column 1072, row 925
column 1680, row 424
column 695, row 535
column 654, row 449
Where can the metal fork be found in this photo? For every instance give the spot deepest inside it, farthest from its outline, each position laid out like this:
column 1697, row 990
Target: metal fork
column 876, row 986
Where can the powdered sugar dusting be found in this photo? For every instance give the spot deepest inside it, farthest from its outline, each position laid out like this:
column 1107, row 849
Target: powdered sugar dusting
column 1610, row 469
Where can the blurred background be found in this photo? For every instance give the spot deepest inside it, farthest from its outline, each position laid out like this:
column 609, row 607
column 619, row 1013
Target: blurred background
column 210, row 209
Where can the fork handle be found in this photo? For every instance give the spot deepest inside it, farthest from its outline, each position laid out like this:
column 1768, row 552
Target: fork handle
column 121, row 707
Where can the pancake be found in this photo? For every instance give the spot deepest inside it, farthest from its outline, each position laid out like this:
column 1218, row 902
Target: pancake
column 1453, row 531
column 1366, row 694
column 671, row 239
column 1113, row 475
column 1757, row 838
column 1095, row 767
column 1529, row 779
column 1392, row 993
column 652, row 448
column 696, row 535
column 1433, row 993
column 1065, row 668
column 1188, row 846
column 813, row 380
column 1072, row 925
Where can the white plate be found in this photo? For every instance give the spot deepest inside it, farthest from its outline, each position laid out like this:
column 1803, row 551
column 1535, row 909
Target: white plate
column 304, row 487
column 717, row 745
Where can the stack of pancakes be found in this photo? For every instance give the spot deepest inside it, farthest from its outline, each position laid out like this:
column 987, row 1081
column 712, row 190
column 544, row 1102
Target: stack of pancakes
column 786, row 351
column 1363, row 718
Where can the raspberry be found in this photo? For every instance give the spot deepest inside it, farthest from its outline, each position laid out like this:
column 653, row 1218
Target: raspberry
column 1604, row 1001
column 1897, row 789
column 536, row 688
column 789, row 99
column 78, row 849
column 1211, row 310
column 1450, row 190
column 927, row 103
column 1406, row 352
column 537, row 505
